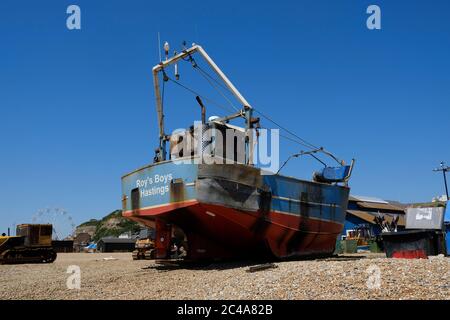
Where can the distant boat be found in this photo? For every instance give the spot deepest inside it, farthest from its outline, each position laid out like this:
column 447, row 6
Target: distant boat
column 218, row 211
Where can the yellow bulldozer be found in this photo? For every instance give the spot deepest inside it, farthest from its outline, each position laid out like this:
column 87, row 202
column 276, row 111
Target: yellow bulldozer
column 32, row 244
column 144, row 249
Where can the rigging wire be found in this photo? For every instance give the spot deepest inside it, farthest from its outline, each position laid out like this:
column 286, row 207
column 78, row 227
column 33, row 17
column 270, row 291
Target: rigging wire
column 301, row 141
column 210, row 78
column 200, row 95
column 290, row 139
column 196, row 65
column 287, row 137
column 205, row 74
column 217, row 89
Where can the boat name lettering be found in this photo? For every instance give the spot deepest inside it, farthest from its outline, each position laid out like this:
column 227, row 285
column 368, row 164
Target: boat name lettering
column 160, row 181
column 157, row 178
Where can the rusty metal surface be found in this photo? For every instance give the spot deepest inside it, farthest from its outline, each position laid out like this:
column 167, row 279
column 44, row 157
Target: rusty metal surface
column 275, row 215
column 229, row 193
column 236, row 186
column 238, row 173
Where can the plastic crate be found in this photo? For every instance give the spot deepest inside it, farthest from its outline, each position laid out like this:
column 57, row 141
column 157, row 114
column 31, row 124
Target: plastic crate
column 349, row 246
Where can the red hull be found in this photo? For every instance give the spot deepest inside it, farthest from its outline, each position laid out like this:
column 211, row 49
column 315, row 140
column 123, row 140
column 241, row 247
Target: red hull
column 217, row 232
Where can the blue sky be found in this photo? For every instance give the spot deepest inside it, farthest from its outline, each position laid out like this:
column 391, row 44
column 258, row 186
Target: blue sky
column 77, row 109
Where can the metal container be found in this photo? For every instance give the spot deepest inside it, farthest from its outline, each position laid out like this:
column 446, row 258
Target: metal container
column 413, row 244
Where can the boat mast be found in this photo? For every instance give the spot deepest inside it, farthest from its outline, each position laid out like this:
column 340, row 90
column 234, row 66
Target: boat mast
column 246, row 112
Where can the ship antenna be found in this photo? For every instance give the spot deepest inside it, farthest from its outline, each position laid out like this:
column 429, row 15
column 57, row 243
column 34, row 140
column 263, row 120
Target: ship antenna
column 159, row 47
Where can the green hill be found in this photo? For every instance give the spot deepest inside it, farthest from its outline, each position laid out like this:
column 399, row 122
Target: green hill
column 112, row 225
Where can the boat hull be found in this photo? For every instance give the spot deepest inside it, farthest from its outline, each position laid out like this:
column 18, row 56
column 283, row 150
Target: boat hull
column 230, row 211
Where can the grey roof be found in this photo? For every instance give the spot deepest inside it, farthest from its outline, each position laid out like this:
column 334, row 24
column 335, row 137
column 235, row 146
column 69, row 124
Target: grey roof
column 354, row 197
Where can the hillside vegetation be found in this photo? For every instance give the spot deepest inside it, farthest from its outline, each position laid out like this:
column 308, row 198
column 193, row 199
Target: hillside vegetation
column 112, row 225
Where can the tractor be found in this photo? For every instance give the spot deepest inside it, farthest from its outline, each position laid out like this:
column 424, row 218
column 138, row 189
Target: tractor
column 32, row 244
column 144, row 249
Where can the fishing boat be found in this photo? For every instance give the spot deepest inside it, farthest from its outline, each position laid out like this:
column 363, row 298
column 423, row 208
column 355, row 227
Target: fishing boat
column 230, row 208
